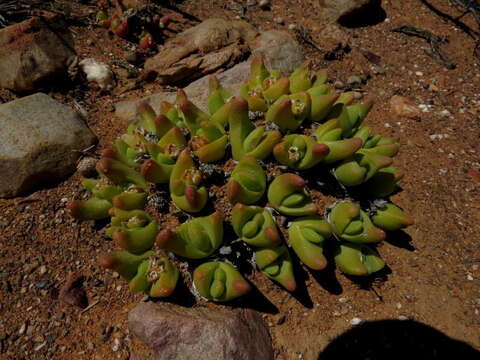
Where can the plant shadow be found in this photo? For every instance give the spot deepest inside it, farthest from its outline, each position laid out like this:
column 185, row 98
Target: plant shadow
column 396, row 339
column 400, row 239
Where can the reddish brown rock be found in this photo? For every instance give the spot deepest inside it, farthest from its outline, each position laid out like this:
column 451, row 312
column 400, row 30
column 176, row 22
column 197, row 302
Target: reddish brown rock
column 72, row 292
column 403, row 107
column 200, row 333
column 33, row 52
column 202, row 49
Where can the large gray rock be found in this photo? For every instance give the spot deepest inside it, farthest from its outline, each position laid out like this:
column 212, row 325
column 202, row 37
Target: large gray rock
column 334, row 10
column 279, row 50
column 200, row 333
column 197, row 92
column 40, row 141
column 33, row 52
column 202, row 49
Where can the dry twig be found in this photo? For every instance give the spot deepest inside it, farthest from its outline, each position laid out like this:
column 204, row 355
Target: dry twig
column 435, row 43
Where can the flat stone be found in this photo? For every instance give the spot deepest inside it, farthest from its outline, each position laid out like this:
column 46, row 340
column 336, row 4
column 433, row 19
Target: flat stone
column 200, row 50
column 279, row 50
column 197, row 92
column 39, row 142
column 200, row 333
column 34, row 52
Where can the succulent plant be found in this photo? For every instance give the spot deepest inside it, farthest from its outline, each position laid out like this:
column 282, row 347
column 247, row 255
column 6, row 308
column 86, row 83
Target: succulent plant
column 352, row 224
column 384, row 182
column 104, row 197
column 217, row 95
column 263, row 87
column 300, row 152
column 247, row 182
column 123, row 262
column 219, row 281
column 276, row 263
column 120, row 173
column 350, row 116
column 186, row 188
column 301, row 79
column 288, row 195
column 307, row 236
column 361, row 167
column 358, row 259
column 130, row 199
column 209, row 143
column 164, row 146
column 381, row 145
column 390, row 217
column 290, row 111
column 330, row 134
column 133, row 230
column 245, row 138
column 322, row 97
column 155, row 275
column 91, row 209
column 195, row 239
column 255, row 226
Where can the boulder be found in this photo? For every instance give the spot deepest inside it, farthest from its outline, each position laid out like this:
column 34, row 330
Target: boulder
column 197, row 92
column 39, row 142
column 335, row 10
column 200, row 333
column 279, row 50
column 200, row 50
column 34, row 52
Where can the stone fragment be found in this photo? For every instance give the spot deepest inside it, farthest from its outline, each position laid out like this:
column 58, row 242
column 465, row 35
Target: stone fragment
column 403, row 107
column 40, row 142
column 200, row 333
column 73, row 292
column 202, row 49
column 279, row 50
column 34, row 52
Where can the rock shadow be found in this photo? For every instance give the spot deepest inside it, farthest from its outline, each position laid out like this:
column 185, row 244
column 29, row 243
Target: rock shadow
column 368, row 15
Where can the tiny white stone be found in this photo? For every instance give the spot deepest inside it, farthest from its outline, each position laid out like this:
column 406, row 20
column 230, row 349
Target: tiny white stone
column 342, row 300
column 469, row 277
column 355, row 321
column 402, row 317
column 399, row 306
column 418, row 73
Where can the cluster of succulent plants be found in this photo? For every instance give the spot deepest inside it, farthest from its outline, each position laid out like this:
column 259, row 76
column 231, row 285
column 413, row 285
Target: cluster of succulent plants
column 126, row 21
column 302, row 123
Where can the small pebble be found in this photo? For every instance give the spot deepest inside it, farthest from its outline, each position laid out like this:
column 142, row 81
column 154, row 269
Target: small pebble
column 281, row 319
column 279, row 20
column 469, row 277
column 354, row 80
column 251, row 2
column 355, row 321
column 264, row 4
column 86, row 167
column 292, row 26
column 40, row 346
column 338, row 84
column 419, row 73
column 358, row 95
column 131, row 56
column 402, row 317
column 22, row 329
